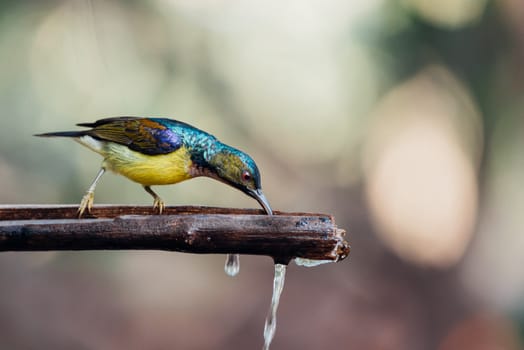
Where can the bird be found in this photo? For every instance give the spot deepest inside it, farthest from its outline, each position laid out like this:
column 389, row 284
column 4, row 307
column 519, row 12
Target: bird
column 162, row 151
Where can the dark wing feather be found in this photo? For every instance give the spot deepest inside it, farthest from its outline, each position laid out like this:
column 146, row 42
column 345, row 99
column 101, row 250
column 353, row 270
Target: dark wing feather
column 139, row 134
column 108, row 121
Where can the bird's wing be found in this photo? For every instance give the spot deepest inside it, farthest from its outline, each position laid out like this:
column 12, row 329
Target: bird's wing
column 139, row 134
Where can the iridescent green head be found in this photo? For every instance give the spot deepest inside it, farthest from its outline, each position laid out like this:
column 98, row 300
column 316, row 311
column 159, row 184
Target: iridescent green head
column 239, row 170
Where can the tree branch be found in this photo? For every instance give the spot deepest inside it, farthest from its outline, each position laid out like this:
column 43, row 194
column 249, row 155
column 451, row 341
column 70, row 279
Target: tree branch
column 201, row 230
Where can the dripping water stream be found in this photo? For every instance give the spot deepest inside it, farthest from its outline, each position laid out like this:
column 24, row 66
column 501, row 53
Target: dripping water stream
column 271, row 319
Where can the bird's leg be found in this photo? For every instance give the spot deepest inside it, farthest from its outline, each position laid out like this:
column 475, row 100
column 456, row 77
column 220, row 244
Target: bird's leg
column 87, row 200
column 158, row 202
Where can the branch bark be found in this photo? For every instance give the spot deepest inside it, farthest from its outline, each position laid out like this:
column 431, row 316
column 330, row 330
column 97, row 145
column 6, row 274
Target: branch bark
column 201, row 230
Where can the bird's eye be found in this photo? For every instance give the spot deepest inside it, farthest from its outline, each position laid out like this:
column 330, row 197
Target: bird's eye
column 246, row 175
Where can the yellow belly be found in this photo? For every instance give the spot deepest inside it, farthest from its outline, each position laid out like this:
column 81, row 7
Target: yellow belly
column 147, row 170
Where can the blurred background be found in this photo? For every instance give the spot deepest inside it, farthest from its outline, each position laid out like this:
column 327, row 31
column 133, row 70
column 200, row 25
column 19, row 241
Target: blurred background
column 404, row 119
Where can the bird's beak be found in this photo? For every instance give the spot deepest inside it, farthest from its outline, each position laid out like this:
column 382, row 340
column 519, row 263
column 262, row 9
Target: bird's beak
column 259, row 196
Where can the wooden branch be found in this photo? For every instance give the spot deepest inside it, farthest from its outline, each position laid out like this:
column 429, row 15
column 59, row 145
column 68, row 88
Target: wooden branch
column 201, row 230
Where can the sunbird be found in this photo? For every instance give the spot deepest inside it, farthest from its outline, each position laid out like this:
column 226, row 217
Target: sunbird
column 161, row 151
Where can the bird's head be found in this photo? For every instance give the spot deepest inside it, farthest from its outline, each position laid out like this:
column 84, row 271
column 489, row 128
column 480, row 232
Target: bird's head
column 239, row 170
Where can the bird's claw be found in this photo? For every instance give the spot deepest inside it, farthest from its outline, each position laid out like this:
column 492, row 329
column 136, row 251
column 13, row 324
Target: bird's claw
column 86, row 203
column 159, row 205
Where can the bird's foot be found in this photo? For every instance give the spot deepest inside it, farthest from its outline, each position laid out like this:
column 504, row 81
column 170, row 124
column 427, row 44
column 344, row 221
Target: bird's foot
column 86, row 203
column 159, row 205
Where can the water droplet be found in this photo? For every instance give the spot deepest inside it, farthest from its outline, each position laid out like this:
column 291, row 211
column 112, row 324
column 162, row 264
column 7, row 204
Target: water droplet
column 232, row 266
column 311, row 262
column 271, row 319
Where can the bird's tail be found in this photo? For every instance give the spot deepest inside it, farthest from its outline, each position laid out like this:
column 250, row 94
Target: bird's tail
column 62, row 134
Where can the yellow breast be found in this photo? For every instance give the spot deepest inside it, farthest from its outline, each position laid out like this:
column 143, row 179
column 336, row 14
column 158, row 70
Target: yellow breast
column 163, row 169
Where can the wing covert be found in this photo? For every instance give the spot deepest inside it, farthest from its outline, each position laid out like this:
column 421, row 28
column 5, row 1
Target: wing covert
column 139, row 134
